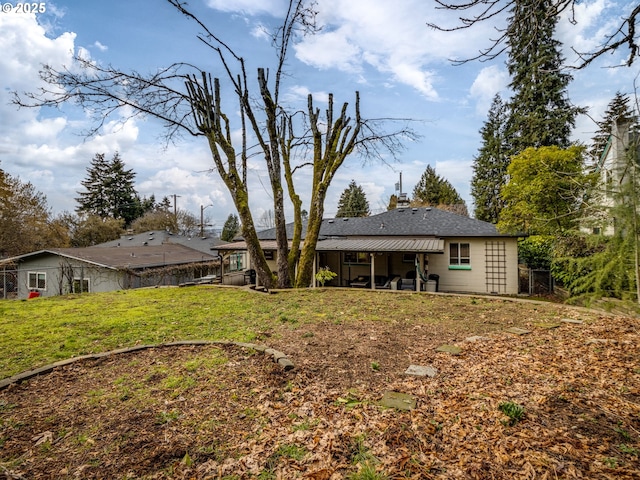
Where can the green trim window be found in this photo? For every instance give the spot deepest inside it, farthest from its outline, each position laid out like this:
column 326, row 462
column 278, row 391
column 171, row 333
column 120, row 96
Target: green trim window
column 236, row 262
column 459, row 255
column 37, row 281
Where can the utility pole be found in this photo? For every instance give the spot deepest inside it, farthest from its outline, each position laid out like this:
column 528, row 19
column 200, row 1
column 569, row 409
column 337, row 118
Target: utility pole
column 175, row 206
column 202, row 207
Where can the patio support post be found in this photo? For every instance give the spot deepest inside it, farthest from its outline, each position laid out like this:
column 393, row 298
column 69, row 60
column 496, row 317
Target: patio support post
column 373, row 270
column 418, row 268
column 314, row 283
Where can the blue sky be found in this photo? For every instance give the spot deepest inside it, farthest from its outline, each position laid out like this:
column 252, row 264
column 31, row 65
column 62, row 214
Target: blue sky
column 382, row 49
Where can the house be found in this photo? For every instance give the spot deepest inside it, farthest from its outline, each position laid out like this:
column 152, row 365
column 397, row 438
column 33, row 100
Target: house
column 407, row 249
column 614, row 171
column 59, row 271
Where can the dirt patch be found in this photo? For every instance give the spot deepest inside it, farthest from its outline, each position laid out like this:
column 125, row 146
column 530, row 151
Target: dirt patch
column 228, row 412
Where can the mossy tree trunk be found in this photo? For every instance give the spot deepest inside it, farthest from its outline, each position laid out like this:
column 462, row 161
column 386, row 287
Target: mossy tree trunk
column 330, row 149
column 214, row 124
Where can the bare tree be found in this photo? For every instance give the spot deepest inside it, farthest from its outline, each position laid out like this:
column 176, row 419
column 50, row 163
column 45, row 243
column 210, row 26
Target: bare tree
column 189, row 101
column 266, row 220
column 473, row 12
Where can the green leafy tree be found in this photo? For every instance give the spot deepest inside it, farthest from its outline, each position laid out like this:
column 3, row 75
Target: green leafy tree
column 109, row 191
column 536, row 251
column 490, row 166
column 231, row 228
column 540, row 113
column 25, row 220
column 435, row 191
column 545, row 191
column 353, row 202
column 90, row 230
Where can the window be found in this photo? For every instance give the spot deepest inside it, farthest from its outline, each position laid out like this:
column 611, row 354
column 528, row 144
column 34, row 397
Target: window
column 236, row 261
column 37, row 281
column 80, row 285
column 409, row 258
column 268, row 254
column 459, row 255
column 356, row 257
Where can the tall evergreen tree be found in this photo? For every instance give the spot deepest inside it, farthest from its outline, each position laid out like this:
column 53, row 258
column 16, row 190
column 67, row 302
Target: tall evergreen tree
column 490, row 166
column 109, row 191
column 540, row 113
column 436, row 191
column 618, row 108
column 353, row 202
column 231, row 228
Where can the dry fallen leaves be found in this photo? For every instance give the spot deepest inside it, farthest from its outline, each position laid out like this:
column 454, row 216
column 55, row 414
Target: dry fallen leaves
column 183, row 413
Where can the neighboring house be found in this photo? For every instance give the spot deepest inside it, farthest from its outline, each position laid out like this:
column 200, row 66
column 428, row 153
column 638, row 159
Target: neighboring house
column 59, row 271
column 407, row 248
column 613, row 167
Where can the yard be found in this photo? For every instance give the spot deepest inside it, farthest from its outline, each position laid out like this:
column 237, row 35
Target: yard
column 559, row 398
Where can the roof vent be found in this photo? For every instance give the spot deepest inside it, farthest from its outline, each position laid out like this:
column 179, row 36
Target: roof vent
column 345, row 219
column 414, row 209
column 382, row 225
column 146, row 243
column 428, row 209
column 331, row 221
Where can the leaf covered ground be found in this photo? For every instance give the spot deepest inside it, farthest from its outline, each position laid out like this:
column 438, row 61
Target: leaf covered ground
column 572, row 390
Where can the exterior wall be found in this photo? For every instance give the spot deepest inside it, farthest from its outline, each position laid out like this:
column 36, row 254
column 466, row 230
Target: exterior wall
column 474, row 279
column 612, row 169
column 57, row 282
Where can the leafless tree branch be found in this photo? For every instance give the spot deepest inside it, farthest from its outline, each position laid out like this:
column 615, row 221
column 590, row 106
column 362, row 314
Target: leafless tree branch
column 479, row 11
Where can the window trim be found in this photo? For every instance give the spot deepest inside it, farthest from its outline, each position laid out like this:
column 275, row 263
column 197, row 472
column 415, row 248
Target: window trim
column 458, row 261
column 37, row 280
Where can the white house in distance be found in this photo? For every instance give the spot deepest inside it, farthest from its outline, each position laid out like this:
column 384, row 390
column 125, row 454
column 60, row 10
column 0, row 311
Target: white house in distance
column 613, row 166
column 407, row 249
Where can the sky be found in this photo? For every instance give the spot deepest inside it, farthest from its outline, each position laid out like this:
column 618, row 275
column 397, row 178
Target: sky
column 382, row 49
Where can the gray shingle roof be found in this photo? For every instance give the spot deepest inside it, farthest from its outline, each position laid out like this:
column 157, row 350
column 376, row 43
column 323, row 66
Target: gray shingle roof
column 159, row 237
column 406, row 222
column 133, row 257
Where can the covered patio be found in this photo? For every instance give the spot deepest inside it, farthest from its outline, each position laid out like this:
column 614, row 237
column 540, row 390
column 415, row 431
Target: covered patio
column 396, row 264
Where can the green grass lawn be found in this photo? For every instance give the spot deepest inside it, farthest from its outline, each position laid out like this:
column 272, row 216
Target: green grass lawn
column 40, row 331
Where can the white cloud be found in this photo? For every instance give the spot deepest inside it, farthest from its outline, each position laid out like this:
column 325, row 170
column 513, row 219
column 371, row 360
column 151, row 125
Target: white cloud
column 331, row 50
column 390, row 37
column 250, row 7
column 100, row 46
column 490, row 80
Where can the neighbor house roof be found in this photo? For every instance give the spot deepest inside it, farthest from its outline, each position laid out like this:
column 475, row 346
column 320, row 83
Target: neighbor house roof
column 160, row 237
column 133, row 257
